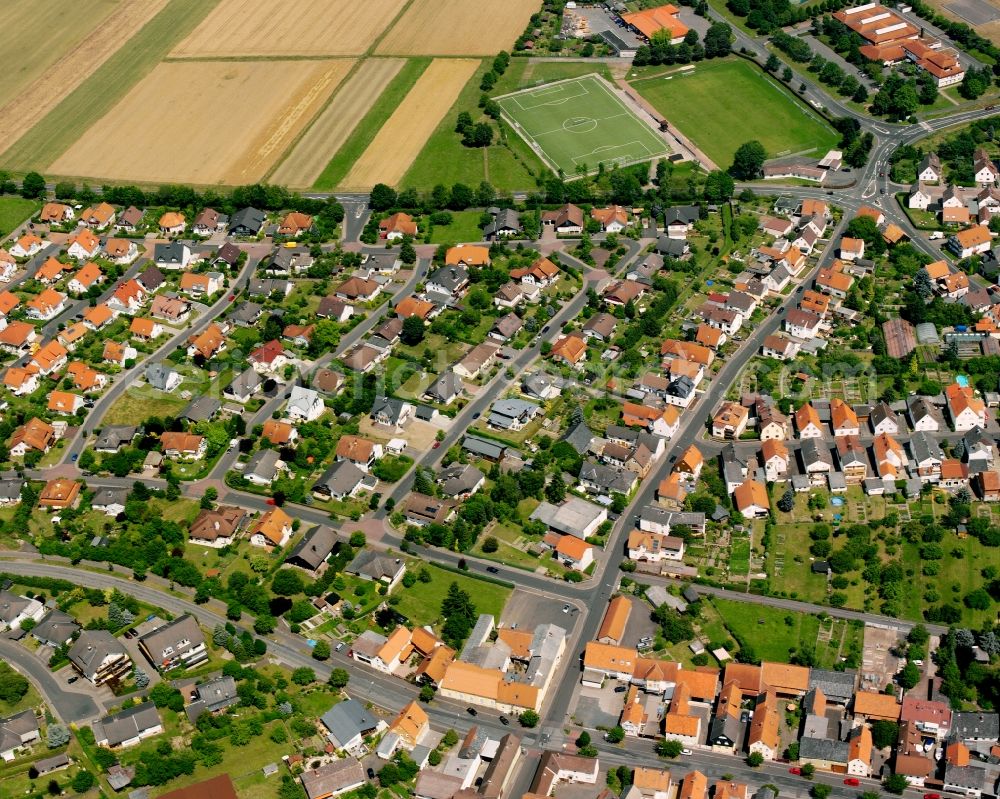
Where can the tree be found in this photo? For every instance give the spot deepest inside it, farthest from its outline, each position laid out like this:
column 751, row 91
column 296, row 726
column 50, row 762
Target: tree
column 264, row 624
column 669, row 748
column 748, row 160
column 615, row 735
column 583, row 740
column 719, row 186
column 322, row 650
column 978, row 599
column 772, row 63
column 287, row 582
column 382, row 197
column 407, row 253
column 413, row 330
column 884, row 734
column 895, row 783
column 303, row 675
column 13, row 686
column 426, row 693
column 808, row 770
column 339, row 678
column 57, row 735
column 820, row 791
column 718, row 40
column 755, row 760
column 787, row 501
column 83, row 781
column 208, row 498
column 33, row 186
column 786, row 75
column 54, row 788
column 164, row 695
column 909, row 676
column 528, row 718
column 460, row 615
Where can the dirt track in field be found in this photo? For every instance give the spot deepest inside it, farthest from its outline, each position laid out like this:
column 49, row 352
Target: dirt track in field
column 289, row 28
column 58, row 80
column 458, row 27
column 404, row 134
column 336, row 122
column 204, row 122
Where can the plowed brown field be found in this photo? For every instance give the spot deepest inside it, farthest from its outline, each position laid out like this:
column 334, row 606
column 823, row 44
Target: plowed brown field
column 457, row 27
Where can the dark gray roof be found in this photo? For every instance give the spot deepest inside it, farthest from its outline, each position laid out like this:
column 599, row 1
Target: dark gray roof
column 347, row 720
column 213, row 695
column 505, row 219
column 339, row 480
column 248, row 220
column 172, row 252
column 228, row 253
column 183, row 628
column 266, row 286
column 484, row 447
column 92, row 648
column 114, row 436
column 55, row 628
column 10, row 489
column 246, row 383
column 374, row 566
column 314, row 548
column 579, row 436
column 824, row 749
column 263, row 464
column 459, row 479
column 965, row 777
column 975, row 726
column 12, row 728
column 201, row 409
column 688, row 214
column 607, row 478
column 727, row 731
column 109, row 495
column 446, row 387
column 126, row 724
column 675, row 248
column 246, row 313
column 450, row 278
column 923, row 447
column 390, row 407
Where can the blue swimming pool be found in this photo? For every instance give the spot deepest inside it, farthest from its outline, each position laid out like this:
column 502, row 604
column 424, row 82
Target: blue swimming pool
column 962, row 380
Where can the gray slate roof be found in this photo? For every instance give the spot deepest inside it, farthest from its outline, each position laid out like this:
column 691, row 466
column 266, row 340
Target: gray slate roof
column 347, row 720
column 92, row 648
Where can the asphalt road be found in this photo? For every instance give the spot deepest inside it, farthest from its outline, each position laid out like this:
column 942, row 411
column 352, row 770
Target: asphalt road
column 69, row 706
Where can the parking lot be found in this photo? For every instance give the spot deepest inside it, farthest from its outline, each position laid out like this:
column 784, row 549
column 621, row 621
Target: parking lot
column 527, row 610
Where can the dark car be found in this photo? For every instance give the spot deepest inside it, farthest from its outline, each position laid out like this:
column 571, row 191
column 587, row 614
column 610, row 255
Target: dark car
column 472, row 711
column 371, row 773
column 620, row 689
column 493, row 570
column 72, row 679
column 504, row 720
column 545, row 329
column 476, row 415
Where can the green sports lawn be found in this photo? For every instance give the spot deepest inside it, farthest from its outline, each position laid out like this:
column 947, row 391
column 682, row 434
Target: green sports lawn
column 581, row 122
column 720, row 105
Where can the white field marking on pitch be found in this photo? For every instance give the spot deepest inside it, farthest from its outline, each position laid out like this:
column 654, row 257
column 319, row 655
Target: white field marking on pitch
column 582, row 92
column 577, row 159
column 561, row 129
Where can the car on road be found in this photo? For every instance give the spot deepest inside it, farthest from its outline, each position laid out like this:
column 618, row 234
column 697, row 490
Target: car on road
column 270, row 501
column 932, row 796
column 232, row 297
column 476, row 415
column 371, row 773
column 794, row 770
column 781, row 309
column 436, row 445
column 338, row 647
column 852, row 781
column 504, row 720
column 472, row 711
column 685, row 751
column 493, row 570
column 545, row 329
column 73, row 457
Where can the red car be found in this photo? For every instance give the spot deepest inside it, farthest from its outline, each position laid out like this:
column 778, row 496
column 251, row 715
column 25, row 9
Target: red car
column 852, row 781
column 232, row 297
column 932, row 796
column 794, row 770
column 436, row 445
column 270, row 501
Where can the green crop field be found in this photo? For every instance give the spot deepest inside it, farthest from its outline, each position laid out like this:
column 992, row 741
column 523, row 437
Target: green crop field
column 719, row 105
column 580, row 123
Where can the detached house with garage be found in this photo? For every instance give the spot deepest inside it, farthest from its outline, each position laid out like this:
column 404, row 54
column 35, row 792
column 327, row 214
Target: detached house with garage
column 273, row 529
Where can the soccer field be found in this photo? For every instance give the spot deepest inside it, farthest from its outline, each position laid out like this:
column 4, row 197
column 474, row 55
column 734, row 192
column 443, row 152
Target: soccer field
column 581, row 122
column 721, row 104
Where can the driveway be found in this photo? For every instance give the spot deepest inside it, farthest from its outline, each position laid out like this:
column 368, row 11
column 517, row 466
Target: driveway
column 69, row 706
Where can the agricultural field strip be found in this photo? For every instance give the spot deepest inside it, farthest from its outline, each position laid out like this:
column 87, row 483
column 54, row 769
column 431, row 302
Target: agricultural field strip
column 243, row 138
column 274, row 28
column 309, row 156
column 456, row 28
column 403, row 135
column 23, row 110
column 520, row 115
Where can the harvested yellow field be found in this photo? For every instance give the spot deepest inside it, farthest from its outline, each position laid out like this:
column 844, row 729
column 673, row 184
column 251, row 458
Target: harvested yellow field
column 289, row 27
column 50, row 69
column 204, row 122
column 313, row 151
column 404, row 134
column 457, row 27
column 35, row 34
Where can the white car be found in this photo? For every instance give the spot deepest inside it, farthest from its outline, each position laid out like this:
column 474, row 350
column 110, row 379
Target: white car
column 937, row 234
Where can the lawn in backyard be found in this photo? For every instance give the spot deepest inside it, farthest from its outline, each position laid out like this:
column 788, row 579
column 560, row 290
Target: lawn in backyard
column 719, row 105
column 464, row 227
column 421, row 603
column 581, row 122
column 13, row 211
column 767, row 629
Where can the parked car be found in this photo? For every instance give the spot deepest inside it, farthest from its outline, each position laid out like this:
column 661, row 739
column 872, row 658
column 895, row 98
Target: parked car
column 338, row 647
column 620, row 689
column 72, row 679
column 504, row 720
column 686, row 751
column 794, row 770
column 472, row 711
column 932, row 796
column 493, row 570
column 852, row 781
column 371, row 773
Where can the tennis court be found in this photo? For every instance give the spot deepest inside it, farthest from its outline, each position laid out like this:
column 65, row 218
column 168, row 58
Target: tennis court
column 577, row 124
